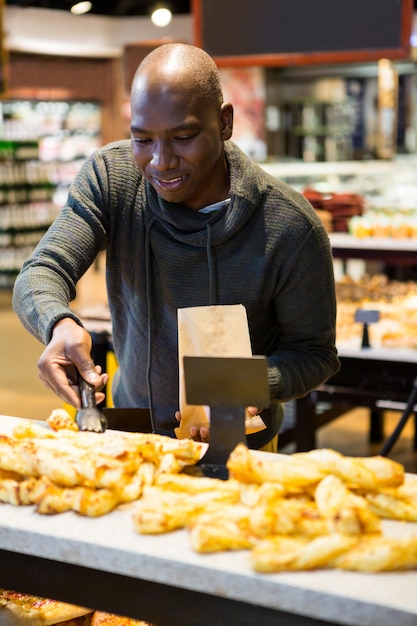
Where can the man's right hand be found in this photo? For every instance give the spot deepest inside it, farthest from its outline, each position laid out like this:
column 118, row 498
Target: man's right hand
column 66, row 357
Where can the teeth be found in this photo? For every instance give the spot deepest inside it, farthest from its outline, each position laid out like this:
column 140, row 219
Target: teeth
column 169, row 182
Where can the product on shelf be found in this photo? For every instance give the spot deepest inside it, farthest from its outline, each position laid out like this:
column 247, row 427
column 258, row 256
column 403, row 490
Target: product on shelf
column 341, row 206
column 378, row 223
column 42, row 147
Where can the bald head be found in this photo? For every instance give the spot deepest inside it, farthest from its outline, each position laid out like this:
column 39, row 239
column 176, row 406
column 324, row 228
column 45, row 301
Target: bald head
column 179, row 124
column 180, row 66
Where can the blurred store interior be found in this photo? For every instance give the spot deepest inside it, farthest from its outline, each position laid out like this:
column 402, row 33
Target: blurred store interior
column 343, row 132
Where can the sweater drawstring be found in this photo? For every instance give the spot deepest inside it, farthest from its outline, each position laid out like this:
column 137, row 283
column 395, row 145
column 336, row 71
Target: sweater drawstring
column 211, row 268
column 149, row 302
column 149, row 309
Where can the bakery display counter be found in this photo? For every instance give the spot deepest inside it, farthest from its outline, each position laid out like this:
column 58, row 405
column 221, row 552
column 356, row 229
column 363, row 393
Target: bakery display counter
column 379, row 377
column 376, row 378
column 105, row 564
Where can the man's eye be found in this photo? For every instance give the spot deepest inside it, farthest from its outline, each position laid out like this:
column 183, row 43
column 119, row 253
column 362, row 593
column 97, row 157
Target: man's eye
column 141, row 140
column 184, row 137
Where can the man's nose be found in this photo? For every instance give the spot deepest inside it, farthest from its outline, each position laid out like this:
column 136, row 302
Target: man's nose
column 163, row 157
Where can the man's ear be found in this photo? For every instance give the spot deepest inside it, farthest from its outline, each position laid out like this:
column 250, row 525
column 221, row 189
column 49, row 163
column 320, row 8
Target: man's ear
column 226, row 119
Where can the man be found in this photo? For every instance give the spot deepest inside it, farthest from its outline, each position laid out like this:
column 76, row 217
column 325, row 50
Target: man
column 186, row 220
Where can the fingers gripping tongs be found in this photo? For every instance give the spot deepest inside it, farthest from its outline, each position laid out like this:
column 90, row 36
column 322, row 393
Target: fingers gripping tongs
column 89, row 417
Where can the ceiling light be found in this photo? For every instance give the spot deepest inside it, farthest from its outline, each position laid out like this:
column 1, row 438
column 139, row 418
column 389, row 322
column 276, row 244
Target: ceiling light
column 81, row 7
column 161, row 17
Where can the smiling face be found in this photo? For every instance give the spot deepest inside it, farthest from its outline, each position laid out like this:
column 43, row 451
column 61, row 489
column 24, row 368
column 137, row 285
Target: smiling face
column 177, row 134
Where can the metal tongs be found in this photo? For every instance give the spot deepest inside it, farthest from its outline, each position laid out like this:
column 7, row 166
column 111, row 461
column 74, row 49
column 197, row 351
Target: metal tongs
column 89, row 417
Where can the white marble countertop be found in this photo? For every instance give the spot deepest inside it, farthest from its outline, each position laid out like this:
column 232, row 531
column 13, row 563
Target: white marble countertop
column 110, row 543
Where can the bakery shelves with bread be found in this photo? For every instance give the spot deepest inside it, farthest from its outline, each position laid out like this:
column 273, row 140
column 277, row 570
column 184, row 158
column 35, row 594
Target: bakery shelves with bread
column 387, row 188
column 374, row 269
column 379, row 376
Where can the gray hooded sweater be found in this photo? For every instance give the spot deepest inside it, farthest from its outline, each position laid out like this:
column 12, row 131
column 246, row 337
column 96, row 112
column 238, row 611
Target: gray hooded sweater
column 266, row 249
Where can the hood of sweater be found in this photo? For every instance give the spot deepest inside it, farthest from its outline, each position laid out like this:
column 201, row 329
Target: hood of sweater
column 247, row 186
